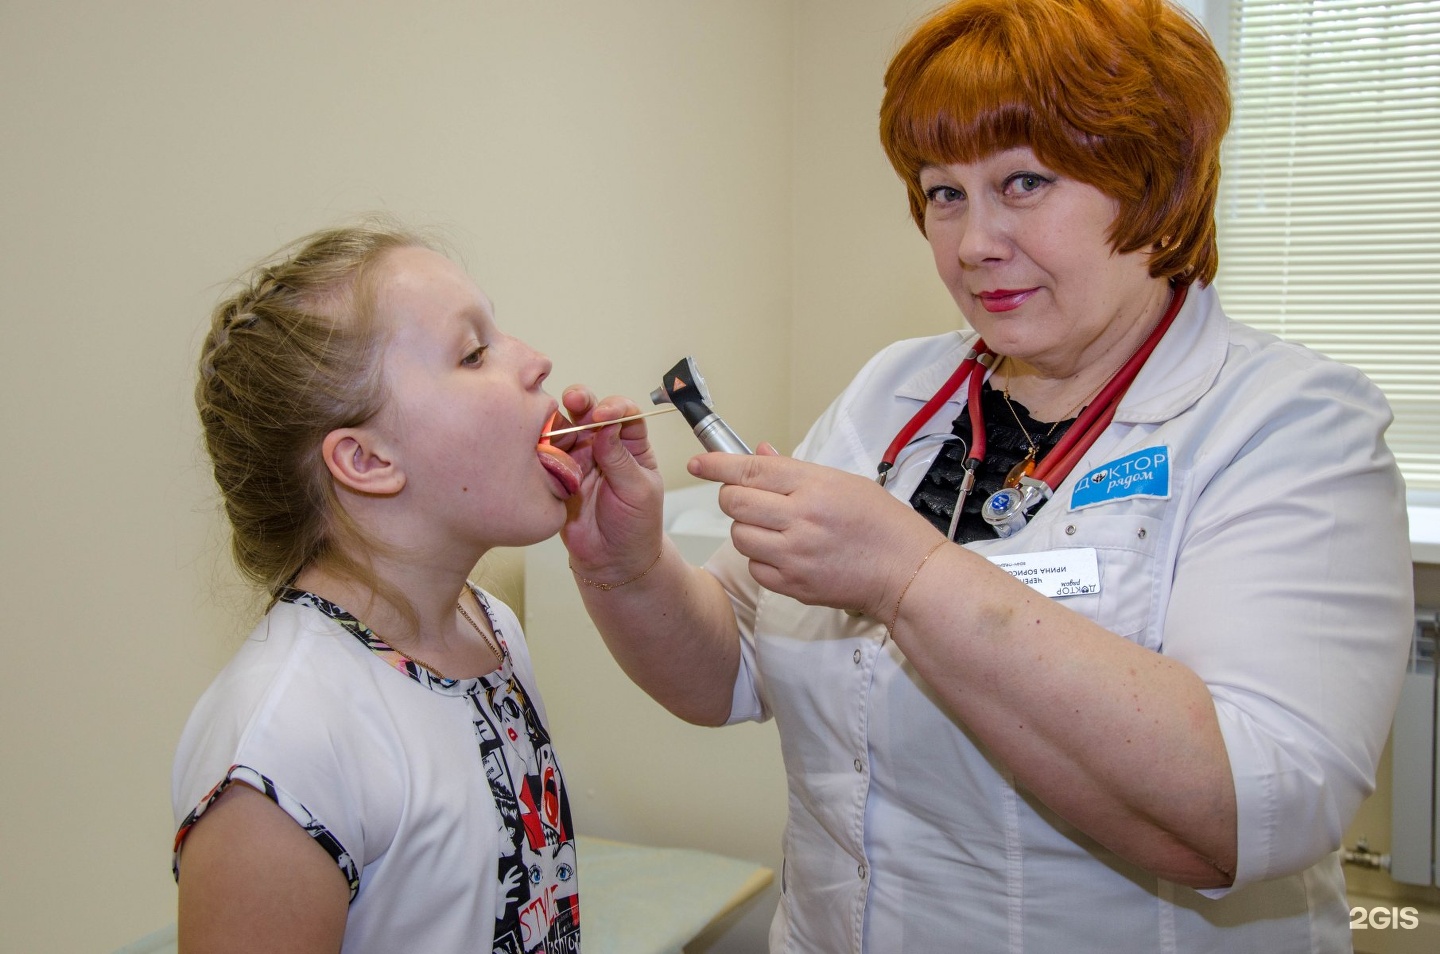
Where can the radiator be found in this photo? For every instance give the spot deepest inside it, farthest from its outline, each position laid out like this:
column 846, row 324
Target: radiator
column 1415, row 793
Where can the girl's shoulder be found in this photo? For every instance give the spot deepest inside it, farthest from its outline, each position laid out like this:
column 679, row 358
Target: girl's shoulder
column 293, row 650
column 302, row 707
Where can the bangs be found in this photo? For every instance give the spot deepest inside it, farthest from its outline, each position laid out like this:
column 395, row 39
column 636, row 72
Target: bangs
column 959, row 110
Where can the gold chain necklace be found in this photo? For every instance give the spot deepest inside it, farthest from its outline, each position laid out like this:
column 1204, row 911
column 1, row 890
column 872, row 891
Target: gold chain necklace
column 1026, row 467
column 490, row 644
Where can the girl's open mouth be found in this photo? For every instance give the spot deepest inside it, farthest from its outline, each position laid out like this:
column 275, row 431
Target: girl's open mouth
column 560, row 464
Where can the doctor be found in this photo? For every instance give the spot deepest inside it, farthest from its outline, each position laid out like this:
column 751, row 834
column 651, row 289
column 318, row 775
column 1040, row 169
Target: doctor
column 1142, row 719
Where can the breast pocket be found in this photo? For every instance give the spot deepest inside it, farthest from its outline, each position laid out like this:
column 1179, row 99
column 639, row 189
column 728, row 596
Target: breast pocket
column 1126, row 544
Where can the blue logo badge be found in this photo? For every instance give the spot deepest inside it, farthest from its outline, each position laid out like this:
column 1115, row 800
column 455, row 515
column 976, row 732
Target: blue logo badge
column 1145, row 473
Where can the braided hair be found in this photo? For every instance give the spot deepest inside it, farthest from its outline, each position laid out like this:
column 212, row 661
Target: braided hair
column 292, row 354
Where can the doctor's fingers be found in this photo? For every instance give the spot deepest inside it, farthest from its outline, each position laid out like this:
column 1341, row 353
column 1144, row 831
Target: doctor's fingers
column 577, row 400
column 795, row 568
column 770, row 472
column 790, row 563
column 758, row 508
column 582, row 406
column 618, row 456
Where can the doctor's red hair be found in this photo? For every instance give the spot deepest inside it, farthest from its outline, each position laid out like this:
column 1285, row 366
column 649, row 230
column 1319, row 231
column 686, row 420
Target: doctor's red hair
column 1126, row 95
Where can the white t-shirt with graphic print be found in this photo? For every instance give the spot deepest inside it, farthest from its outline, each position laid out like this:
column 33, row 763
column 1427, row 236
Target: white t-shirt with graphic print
column 440, row 800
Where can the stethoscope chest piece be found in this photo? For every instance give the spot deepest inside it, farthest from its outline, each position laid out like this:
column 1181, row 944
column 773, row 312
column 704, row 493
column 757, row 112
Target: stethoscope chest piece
column 1007, row 509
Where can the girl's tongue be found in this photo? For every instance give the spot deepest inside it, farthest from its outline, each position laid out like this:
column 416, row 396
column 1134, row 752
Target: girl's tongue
column 557, row 462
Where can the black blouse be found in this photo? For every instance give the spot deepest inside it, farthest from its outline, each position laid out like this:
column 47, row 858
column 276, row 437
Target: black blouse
column 1006, row 446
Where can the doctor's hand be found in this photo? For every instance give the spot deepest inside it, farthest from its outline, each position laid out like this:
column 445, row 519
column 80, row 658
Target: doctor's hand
column 817, row 534
column 614, row 526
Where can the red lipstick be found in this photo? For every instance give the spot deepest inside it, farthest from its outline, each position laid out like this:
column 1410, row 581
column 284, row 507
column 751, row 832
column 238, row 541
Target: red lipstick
column 1004, row 299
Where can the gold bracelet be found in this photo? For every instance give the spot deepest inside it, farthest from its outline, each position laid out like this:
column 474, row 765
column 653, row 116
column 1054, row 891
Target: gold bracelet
column 612, row 586
column 895, row 616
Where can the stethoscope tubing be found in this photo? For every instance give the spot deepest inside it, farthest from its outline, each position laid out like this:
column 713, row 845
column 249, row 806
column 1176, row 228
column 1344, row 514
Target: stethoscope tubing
column 1078, row 438
column 937, row 400
column 1101, row 411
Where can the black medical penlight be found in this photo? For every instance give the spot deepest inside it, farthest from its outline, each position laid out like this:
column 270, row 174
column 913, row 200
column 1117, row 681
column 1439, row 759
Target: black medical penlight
column 683, row 387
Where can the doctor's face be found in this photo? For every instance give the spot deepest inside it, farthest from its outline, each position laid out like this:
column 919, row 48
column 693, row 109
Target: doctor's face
column 1025, row 253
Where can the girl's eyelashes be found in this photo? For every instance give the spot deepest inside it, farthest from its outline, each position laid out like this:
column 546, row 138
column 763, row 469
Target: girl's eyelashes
column 475, row 357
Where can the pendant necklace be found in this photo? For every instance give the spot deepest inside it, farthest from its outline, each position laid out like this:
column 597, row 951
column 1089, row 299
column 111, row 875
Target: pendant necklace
column 1027, row 464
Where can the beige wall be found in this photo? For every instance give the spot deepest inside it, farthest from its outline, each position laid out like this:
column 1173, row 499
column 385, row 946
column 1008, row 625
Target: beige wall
column 616, row 174
column 863, row 273
column 631, row 180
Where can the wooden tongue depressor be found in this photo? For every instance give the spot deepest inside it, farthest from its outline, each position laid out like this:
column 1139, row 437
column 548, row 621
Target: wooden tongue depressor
column 619, row 420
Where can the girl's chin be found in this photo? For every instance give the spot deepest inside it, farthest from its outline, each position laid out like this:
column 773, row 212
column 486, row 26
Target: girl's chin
column 535, row 531
column 553, row 521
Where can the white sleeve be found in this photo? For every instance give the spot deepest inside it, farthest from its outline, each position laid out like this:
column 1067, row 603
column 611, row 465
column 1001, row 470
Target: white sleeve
column 747, row 703
column 1293, row 601
column 283, row 730
column 727, row 565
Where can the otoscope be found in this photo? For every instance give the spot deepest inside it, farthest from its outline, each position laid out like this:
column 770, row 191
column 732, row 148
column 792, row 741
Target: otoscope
column 683, row 387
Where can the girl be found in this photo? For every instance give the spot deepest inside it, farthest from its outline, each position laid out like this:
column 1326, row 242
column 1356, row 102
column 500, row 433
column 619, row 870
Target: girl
column 373, row 770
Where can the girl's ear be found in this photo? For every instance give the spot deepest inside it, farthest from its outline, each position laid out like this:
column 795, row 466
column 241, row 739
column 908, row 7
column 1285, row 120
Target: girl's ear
column 358, row 459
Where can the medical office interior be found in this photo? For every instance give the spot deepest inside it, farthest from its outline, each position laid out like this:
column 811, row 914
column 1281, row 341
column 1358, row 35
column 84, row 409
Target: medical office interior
column 632, row 181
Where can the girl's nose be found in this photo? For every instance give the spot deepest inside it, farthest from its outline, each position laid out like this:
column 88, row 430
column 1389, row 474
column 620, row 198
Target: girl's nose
column 537, row 367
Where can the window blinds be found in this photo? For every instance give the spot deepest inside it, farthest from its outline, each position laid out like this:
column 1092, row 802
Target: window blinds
column 1329, row 218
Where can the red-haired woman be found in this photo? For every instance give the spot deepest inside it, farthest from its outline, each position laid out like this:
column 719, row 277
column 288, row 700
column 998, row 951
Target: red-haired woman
column 1131, row 695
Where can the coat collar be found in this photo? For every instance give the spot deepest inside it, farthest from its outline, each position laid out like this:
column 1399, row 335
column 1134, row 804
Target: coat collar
column 1181, row 369
column 1184, row 365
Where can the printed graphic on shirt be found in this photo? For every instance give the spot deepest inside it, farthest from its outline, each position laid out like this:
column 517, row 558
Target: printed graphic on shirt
column 392, row 657
column 538, row 911
column 1145, row 473
column 540, row 906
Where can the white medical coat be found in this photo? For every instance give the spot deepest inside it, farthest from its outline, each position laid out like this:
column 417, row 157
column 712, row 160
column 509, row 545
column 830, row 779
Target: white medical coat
column 1275, row 564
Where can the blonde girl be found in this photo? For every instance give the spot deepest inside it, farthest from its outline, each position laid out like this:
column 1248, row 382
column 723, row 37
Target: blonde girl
column 372, row 771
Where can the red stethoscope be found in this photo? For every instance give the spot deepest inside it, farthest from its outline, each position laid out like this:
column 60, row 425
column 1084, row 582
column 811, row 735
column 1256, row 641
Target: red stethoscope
column 1007, row 509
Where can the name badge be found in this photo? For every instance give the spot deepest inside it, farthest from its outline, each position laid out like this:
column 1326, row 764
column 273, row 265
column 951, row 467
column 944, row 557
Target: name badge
column 1145, row 473
column 1054, row 573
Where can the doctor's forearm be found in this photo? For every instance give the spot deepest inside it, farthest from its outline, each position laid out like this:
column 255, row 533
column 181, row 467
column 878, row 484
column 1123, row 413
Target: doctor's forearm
column 1122, row 742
